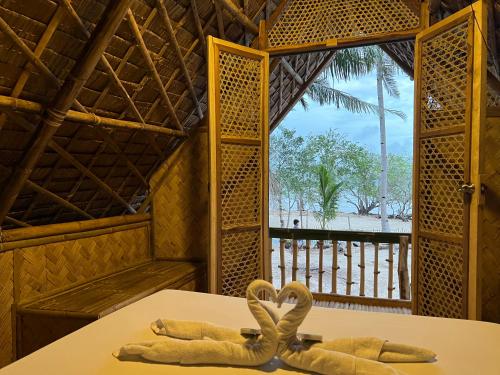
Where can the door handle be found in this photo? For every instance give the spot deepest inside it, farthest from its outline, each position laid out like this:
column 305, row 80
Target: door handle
column 467, row 189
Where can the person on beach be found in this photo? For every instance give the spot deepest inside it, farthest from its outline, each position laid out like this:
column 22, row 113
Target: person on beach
column 296, row 224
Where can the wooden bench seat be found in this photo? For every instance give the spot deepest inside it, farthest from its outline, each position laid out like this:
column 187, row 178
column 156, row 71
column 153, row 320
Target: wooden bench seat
column 46, row 320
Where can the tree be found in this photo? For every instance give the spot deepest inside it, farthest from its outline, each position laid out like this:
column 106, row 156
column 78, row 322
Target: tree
column 328, row 196
column 361, row 178
column 400, row 186
column 386, row 71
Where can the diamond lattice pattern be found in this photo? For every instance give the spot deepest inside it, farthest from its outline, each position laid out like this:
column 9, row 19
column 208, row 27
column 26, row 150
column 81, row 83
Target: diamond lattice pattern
column 316, row 21
column 441, row 207
column 240, row 95
column 440, row 268
column 444, row 79
column 240, row 185
column 241, row 261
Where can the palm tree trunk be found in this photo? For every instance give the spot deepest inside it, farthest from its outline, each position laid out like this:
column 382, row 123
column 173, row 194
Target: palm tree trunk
column 383, row 149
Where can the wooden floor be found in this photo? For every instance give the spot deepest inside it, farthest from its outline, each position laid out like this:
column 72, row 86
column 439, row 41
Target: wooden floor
column 358, row 307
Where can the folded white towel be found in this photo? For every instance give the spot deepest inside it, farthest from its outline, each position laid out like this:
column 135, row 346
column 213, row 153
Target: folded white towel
column 242, row 353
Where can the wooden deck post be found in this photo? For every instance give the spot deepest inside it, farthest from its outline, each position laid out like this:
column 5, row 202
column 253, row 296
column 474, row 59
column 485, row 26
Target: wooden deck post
column 335, row 265
column 294, row 260
column 308, row 262
column 282, row 262
column 361, row 266
column 390, row 279
column 404, row 280
column 320, row 269
column 375, row 271
column 349, row 269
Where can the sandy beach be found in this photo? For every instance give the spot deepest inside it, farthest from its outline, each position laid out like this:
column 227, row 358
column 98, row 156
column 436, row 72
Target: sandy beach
column 342, row 222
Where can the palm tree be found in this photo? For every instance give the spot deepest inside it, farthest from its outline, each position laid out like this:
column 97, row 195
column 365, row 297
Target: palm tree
column 350, row 64
column 328, row 196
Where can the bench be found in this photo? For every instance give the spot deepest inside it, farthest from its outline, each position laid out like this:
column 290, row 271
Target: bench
column 45, row 320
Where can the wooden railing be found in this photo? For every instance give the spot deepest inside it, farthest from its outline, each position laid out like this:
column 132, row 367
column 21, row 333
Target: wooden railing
column 319, row 254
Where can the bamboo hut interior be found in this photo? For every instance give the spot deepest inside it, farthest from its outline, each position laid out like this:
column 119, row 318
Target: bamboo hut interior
column 134, row 140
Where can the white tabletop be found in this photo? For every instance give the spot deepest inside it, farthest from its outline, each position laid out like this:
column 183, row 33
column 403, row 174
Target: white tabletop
column 463, row 347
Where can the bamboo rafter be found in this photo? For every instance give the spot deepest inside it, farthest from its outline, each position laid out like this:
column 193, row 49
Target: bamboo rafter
column 171, row 34
column 63, row 101
column 151, row 67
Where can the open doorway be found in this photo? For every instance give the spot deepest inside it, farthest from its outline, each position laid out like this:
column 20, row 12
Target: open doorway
column 341, row 161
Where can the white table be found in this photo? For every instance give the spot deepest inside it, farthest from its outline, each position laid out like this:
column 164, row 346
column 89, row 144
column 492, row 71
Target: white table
column 463, row 347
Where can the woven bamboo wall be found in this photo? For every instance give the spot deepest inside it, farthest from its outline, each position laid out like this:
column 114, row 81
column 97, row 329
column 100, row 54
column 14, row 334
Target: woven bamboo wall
column 30, row 272
column 6, row 300
column 490, row 250
column 180, row 205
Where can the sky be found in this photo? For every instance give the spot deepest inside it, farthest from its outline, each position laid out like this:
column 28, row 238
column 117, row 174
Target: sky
column 361, row 128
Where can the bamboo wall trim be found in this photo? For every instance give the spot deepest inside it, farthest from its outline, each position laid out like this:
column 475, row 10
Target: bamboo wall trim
column 73, row 227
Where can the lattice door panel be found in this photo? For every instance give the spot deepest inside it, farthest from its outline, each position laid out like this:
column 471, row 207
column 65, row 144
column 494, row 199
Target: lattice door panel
column 443, row 88
column 305, row 24
column 238, row 103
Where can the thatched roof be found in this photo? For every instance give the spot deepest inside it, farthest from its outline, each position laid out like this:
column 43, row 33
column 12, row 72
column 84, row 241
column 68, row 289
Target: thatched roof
column 145, row 95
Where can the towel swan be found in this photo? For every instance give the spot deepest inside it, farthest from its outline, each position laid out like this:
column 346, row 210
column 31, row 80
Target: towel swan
column 353, row 356
column 203, row 343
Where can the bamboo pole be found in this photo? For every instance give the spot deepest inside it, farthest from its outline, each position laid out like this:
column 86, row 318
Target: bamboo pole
column 362, row 269
column 282, row 262
column 66, row 237
column 294, row 259
column 404, row 280
column 199, row 27
column 308, row 262
column 13, row 235
column 54, row 116
column 239, row 15
column 320, row 267
column 335, row 265
column 70, row 159
column 35, row 60
column 171, row 35
column 7, row 102
column 349, row 269
column 19, row 223
column 390, row 279
column 220, row 20
column 296, row 76
column 375, row 271
column 54, row 197
column 151, row 68
column 268, row 271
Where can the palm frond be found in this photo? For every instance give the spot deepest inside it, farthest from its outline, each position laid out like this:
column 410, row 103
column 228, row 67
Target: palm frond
column 321, row 92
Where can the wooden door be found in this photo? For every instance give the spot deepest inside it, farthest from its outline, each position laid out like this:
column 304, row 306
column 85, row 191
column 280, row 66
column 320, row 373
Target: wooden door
column 449, row 71
column 238, row 143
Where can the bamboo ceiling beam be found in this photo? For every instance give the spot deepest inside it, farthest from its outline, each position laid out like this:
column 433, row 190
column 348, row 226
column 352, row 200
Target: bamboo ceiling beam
column 7, row 102
column 56, row 198
column 199, row 27
column 302, row 90
column 74, row 162
column 54, row 116
column 19, row 223
column 171, row 35
column 296, row 76
column 151, row 67
column 53, row 197
column 35, row 60
column 220, row 20
column 239, row 15
column 71, row 11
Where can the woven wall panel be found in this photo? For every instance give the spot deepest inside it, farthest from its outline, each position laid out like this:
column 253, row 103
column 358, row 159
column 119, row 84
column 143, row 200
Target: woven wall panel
column 444, row 79
column 6, row 300
column 440, row 269
column 490, row 262
column 493, row 98
column 240, row 100
column 48, row 268
column 442, row 162
column 240, row 185
column 316, row 21
column 241, row 260
column 180, row 206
